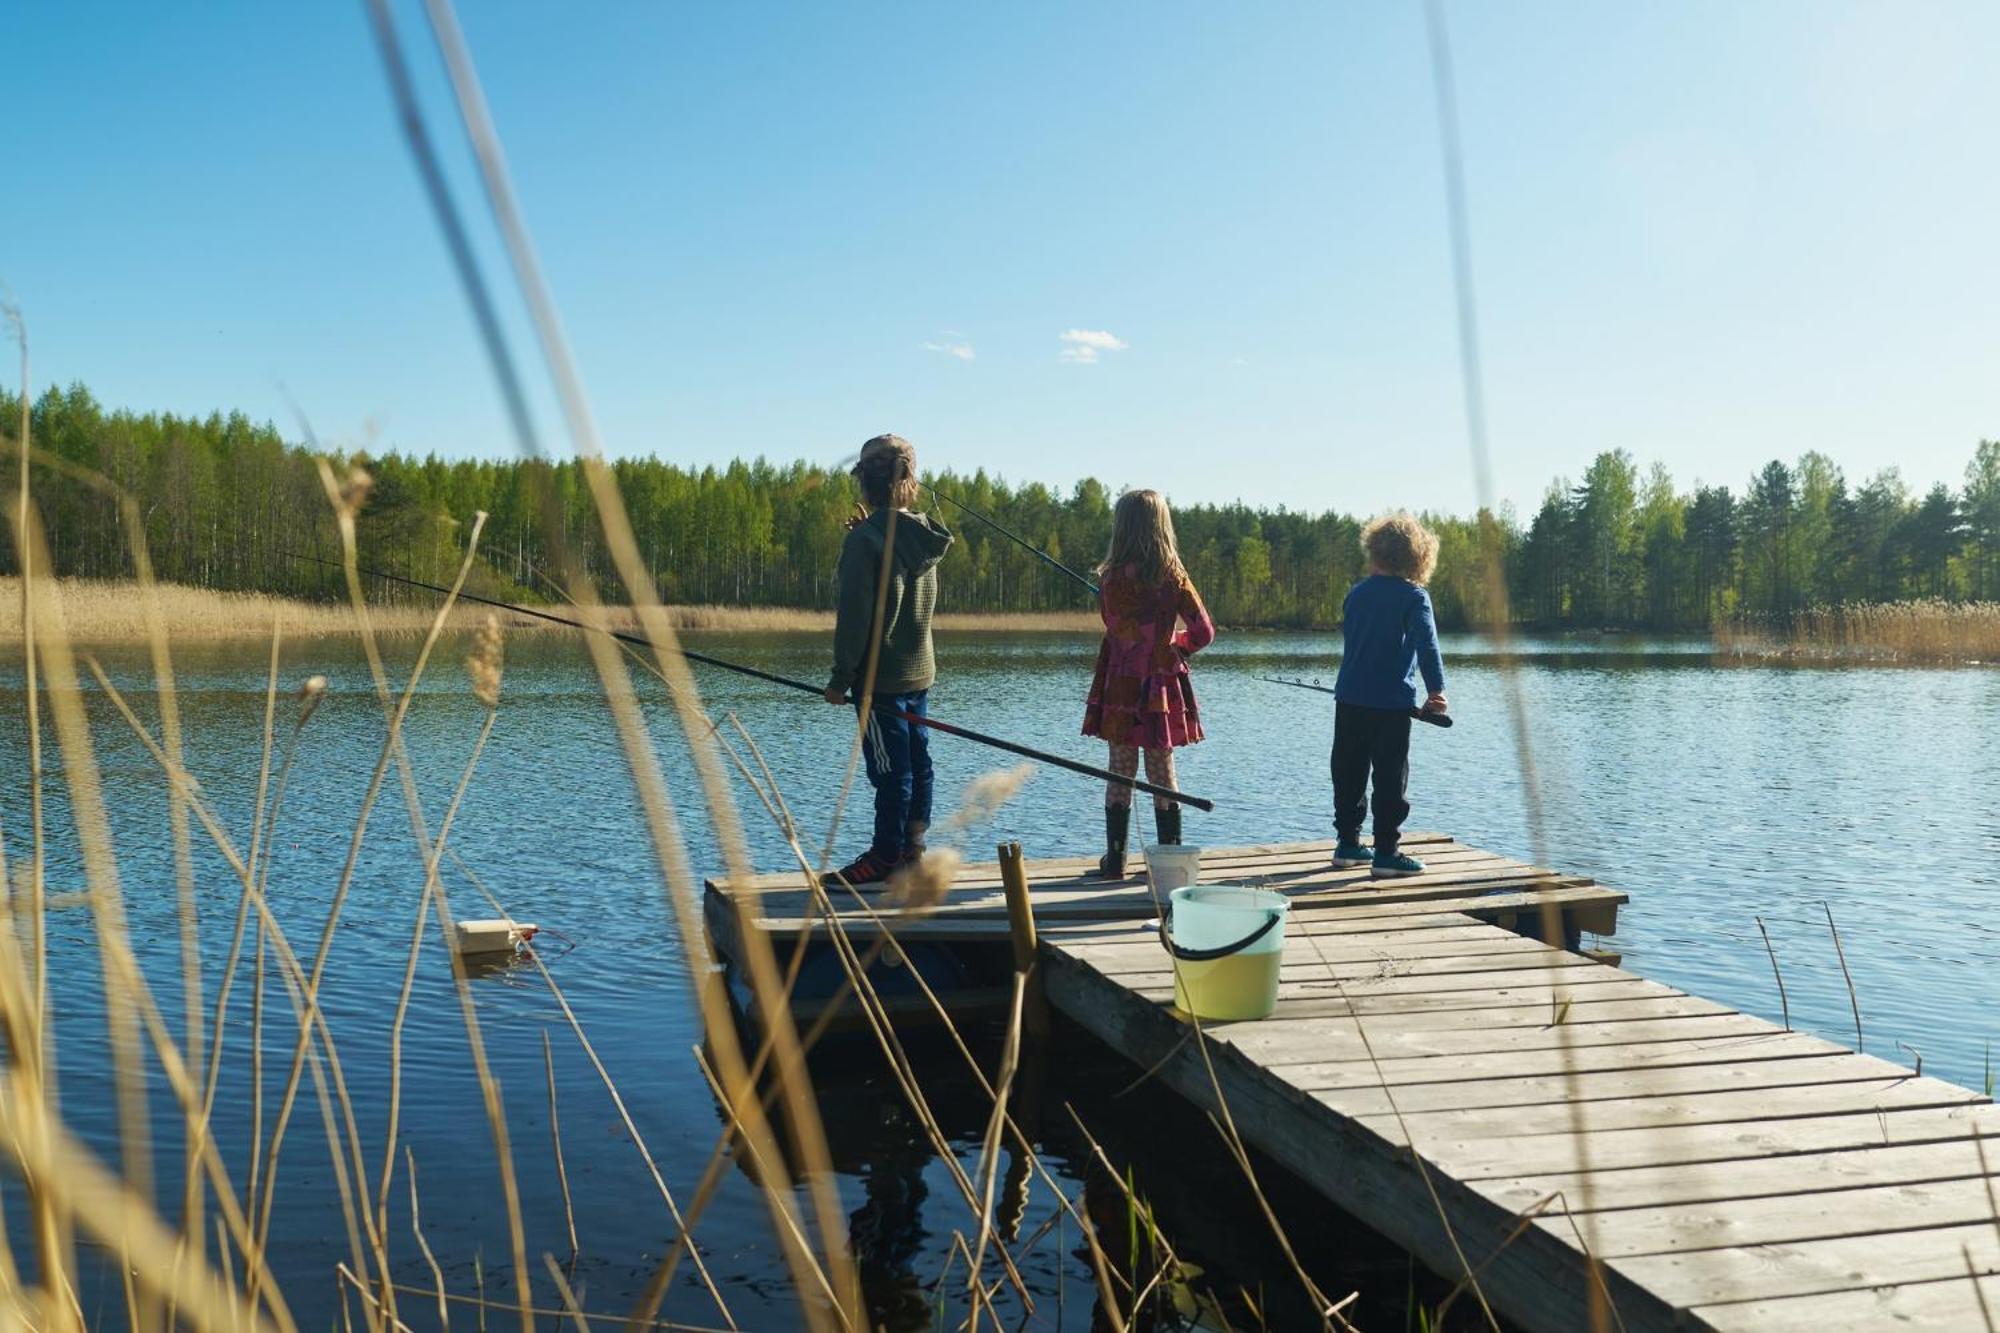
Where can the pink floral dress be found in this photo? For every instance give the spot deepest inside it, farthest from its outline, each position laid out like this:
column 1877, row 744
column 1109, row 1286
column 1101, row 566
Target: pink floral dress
column 1142, row 695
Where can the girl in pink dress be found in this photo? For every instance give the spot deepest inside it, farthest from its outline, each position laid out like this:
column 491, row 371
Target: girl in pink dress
column 1142, row 699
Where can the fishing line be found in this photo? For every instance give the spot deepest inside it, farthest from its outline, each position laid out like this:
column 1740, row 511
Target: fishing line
column 1011, row 536
column 915, row 719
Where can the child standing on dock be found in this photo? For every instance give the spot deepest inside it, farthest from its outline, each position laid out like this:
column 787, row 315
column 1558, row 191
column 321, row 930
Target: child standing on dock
column 1142, row 700
column 1389, row 635
column 889, row 560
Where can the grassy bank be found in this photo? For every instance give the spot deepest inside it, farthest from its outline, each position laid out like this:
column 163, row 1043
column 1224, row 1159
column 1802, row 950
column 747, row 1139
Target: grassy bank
column 105, row 611
column 1923, row 631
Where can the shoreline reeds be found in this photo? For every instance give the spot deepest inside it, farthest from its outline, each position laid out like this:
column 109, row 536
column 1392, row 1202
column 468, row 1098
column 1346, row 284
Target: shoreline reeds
column 116, row 612
column 1928, row 631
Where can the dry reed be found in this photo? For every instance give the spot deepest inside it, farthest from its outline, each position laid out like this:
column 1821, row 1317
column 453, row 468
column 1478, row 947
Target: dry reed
column 1472, row 383
column 115, row 611
column 1929, row 630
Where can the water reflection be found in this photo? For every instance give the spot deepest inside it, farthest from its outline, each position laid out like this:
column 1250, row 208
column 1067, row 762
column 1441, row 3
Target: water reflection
column 1712, row 791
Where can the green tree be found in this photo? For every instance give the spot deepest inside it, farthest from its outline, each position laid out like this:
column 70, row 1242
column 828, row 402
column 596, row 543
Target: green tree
column 1934, row 534
column 1769, row 512
column 1711, row 528
column 1981, row 507
column 1605, row 530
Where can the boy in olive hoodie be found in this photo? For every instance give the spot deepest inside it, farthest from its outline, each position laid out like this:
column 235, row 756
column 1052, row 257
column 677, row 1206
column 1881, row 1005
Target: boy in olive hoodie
column 895, row 749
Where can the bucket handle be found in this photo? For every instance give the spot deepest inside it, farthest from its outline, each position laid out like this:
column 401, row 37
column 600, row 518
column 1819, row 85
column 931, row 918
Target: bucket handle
column 1187, row 955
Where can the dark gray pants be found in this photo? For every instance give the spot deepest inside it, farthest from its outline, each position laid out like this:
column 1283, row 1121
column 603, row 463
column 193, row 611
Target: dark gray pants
column 1369, row 740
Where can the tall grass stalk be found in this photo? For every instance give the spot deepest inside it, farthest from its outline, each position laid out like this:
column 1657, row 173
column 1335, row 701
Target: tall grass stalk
column 33, row 1053
column 92, row 822
column 306, row 1011
column 431, row 852
column 184, row 1088
column 1784, row 1003
column 344, row 501
column 423, row 1245
column 808, row 1136
column 1853, row 998
column 683, row 1225
column 1458, row 213
column 556, row 1147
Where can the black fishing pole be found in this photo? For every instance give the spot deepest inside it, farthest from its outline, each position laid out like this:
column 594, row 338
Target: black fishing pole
column 948, row 728
column 1436, row 719
column 1018, row 540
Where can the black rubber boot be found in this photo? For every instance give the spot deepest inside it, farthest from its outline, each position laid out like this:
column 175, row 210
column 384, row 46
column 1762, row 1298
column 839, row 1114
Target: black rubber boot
column 1167, row 820
column 1117, row 827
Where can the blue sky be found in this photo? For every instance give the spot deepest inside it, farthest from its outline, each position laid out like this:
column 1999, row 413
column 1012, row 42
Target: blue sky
column 1708, row 233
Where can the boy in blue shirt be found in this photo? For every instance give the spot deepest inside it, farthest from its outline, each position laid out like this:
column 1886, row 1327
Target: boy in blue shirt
column 1389, row 635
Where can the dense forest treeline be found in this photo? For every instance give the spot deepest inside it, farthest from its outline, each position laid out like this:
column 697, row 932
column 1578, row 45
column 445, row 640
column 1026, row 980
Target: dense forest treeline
column 224, row 500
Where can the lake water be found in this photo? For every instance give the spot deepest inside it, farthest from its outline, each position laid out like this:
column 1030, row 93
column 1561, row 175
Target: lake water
column 1713, row 791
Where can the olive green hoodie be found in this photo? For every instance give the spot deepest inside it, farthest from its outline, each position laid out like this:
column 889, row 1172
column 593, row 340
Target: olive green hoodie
column 906, row 664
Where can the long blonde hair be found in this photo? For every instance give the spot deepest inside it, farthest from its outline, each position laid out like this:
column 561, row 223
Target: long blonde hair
column 1142, row 535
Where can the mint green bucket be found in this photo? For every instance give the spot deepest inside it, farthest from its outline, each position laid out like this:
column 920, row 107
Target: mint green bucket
column 1227, row 942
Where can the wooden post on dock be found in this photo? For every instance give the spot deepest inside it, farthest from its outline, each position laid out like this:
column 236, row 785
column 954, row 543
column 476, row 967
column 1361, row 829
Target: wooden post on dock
column 1021, row 923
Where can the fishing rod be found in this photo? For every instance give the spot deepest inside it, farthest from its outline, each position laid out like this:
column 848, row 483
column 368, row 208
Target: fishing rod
column 1436, row 719
column 915, row 719
column 1013, row 537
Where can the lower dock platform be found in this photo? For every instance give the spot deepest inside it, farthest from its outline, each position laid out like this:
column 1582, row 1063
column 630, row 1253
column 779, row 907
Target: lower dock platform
column 1595, row 1148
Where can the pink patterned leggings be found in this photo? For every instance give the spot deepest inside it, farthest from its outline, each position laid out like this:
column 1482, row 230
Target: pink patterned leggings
column 1159, row 772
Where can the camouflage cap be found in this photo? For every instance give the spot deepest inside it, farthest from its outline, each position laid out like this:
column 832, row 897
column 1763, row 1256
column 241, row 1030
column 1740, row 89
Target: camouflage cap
column 883, row 448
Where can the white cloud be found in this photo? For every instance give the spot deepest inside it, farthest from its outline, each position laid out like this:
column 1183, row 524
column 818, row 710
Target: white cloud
column 960, row 350
column 1083, row 347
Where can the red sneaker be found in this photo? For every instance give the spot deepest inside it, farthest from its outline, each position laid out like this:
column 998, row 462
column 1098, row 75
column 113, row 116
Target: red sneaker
column 867, row 868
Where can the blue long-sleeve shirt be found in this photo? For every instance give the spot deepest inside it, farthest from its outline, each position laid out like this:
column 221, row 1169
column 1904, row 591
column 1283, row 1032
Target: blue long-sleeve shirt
column 1388, row 634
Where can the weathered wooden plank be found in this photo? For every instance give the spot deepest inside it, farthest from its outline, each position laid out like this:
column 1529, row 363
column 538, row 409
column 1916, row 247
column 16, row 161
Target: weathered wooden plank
column 1680, row 1109
column 1957, row 1302
column 1075, row 867
column 1727, row 1284
column 1582, row 904
column 1521, row 1006
column 1870, row 1210
column 1309, row 889
column 1540, row 1092
column 1138, row 900
column 1586, row 908
column 1307, row 958
column 1803, row 1175
column 1607, row 1150
column 1300, row 985
column 1387, row 922
column 1416, row 1034
column 1530, row 1064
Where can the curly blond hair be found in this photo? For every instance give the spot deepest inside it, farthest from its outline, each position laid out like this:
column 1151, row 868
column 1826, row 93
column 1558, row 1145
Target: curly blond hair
column 1398, row 544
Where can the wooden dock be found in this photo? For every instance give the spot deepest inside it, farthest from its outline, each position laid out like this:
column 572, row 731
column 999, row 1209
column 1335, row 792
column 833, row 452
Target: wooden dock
column 1487, row 1099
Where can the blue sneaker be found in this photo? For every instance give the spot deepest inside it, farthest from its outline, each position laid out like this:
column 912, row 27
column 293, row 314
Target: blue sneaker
column 1392, row 864
column 1349, row 853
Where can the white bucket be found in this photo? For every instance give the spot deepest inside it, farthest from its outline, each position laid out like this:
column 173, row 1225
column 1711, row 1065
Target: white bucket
column 1172, row 867
column 1227, row 943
